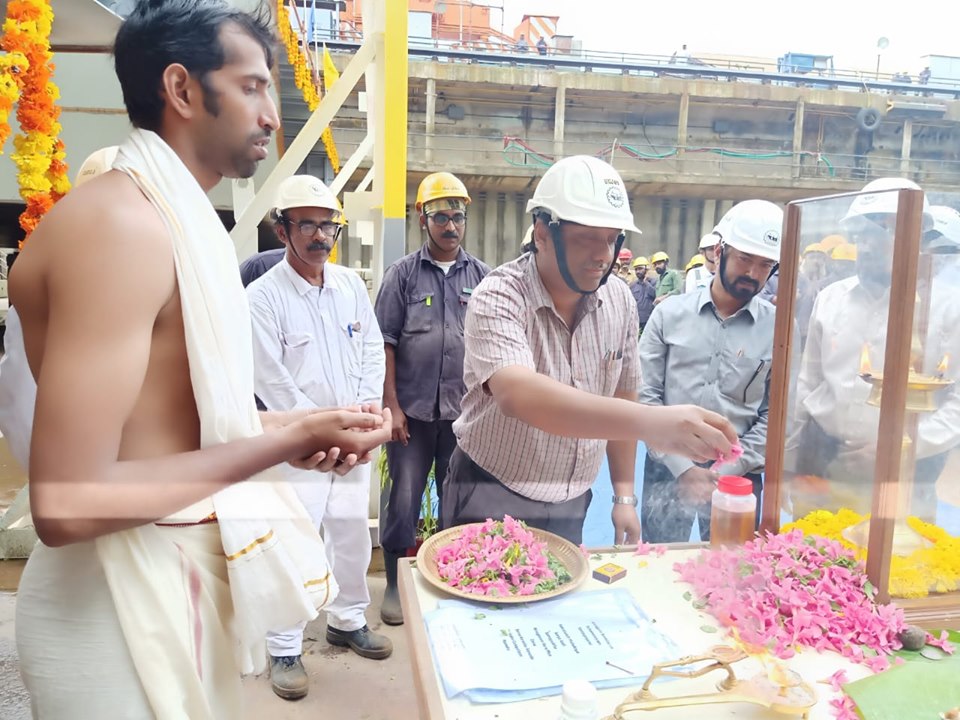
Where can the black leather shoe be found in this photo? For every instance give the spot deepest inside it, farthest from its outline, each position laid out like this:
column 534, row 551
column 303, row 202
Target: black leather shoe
column 363, row 642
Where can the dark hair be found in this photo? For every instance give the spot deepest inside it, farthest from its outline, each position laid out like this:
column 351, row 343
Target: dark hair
column 159, row 33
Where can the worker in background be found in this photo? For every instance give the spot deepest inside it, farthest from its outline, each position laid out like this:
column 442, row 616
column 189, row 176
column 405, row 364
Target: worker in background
column 541, row 46
column 552, row 375
column 316, row 344
column 835, row 432
column 621, row 268
column 708, row 248
column 696, row 275
column 669, row 281
column 813, row 277
column 522, row 45
column 421, row 306
column 713, row 348
column 644, row 290
column 843, row 262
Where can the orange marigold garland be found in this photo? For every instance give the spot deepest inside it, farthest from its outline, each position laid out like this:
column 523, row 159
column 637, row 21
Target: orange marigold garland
column 39, row 154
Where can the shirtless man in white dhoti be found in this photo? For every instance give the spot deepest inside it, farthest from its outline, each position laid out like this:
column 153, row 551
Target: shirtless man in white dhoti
column 159, row 570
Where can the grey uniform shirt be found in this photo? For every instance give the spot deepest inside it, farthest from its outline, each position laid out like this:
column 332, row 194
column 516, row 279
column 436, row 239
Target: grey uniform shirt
column 421, row 312
column 689, row 355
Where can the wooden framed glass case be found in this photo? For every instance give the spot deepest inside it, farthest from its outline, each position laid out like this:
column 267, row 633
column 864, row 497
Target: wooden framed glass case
column 863, row 443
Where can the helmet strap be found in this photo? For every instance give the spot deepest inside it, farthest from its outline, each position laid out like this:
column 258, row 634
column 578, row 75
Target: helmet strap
column 562, row 259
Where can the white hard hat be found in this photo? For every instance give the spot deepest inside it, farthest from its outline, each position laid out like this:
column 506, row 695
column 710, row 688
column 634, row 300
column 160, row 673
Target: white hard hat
column 753, row 227
column 882, row 200
column 306, row 191
column 709, row 240
column 584, row 190
column 946, row 227
column 97, row 163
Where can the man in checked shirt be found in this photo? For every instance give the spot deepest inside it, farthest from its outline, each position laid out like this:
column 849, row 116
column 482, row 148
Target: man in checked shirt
column 551, row 372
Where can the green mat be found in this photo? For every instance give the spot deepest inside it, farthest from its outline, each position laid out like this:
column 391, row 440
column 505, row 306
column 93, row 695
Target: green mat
column 920, row 689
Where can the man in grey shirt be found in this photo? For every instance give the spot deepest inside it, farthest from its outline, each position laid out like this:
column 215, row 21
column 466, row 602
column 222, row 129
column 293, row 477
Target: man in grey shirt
column 712, row 348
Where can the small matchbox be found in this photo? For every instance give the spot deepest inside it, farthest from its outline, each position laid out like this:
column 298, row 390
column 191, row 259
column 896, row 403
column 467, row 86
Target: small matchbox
column 609, row 573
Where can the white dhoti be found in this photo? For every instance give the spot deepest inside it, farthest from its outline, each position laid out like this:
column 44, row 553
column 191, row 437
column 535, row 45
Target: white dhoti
column 75, row 659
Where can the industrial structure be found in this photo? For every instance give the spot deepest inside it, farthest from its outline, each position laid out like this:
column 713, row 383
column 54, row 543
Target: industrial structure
column 690, row 135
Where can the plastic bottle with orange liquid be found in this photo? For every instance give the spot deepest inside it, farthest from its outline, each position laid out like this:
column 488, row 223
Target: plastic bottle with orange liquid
column 733, row 511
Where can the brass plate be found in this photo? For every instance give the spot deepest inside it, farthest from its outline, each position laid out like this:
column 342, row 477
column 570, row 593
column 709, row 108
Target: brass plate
column 564, row 550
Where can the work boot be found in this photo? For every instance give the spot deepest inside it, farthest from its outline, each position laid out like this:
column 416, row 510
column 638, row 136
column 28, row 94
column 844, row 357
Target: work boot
column 287, row 677
column 363, row 642
column 391, row 612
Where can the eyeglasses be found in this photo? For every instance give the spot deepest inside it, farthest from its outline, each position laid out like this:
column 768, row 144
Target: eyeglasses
column 308, row 228
column 441, row 219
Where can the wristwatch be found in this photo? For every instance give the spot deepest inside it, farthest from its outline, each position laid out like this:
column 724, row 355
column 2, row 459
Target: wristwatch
column 624, row 499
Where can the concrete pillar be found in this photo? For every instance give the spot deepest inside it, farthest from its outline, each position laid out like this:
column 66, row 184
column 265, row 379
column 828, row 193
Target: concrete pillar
column 682, row 119
column 709, row 215
column 510, row 233
column 559, row 118
column 797, row 137
column 431, row 119
column 905, row 148
column 476, row 223
column 487, row 248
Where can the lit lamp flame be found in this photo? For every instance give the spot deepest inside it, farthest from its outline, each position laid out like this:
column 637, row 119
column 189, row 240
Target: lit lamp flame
column 865, row 360
column 942, row 367
column 775, row 669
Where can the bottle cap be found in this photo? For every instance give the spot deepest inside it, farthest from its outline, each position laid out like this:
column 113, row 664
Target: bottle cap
column 579, row 699
column 735, row 485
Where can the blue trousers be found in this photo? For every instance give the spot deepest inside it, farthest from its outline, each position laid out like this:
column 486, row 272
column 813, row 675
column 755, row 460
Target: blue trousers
column 430, row 443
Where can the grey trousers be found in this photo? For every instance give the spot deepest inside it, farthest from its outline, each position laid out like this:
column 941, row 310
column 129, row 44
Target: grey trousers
column 471, row 494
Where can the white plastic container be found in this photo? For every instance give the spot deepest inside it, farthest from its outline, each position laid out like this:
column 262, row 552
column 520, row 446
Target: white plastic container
column 733, row 512
column 579, row 701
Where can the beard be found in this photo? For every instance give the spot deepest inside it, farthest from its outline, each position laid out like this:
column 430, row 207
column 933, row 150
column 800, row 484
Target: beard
column 742, row 288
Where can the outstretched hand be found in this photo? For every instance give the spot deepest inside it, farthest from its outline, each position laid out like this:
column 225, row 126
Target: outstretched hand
column 692, row 432
column 342, row 438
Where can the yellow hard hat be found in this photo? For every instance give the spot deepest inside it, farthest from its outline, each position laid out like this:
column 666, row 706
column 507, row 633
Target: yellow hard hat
column 815, row 247
column 440, row 185
column 696, row 261
column 831, row 241
column 846, row 251
column 660, row 255
column 640, row 260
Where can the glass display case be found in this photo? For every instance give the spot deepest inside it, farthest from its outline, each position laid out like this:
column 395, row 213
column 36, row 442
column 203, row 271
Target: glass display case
column 863, row 444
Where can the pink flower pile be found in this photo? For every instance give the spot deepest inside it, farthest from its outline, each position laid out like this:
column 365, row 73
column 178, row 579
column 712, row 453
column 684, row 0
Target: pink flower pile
column 784, row 591
column 499, row 558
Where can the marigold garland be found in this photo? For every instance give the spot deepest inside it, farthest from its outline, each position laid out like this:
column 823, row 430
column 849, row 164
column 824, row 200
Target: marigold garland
column 304, row 77
column 933, row 569
column 39, row 154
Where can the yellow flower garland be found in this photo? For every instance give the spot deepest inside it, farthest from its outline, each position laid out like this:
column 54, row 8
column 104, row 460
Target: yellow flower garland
column 39, row 154
column 303, row 77
column 933, row 569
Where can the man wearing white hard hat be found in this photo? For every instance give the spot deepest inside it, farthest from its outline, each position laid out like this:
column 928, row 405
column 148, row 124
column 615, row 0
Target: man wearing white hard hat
column 552, row 375
column 834, row 435
column 713, row 348
column 316, row 343
column 699, row 276
column 18, row 389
